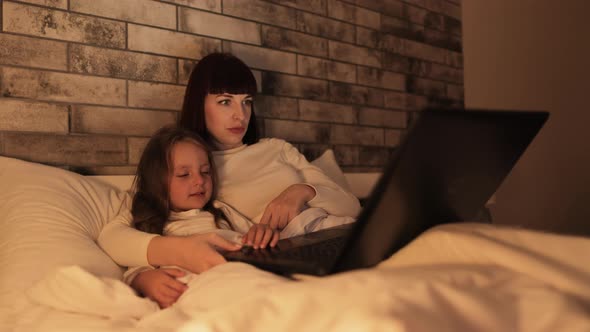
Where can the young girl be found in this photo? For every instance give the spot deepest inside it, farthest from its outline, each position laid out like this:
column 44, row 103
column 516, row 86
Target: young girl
column 174, row 185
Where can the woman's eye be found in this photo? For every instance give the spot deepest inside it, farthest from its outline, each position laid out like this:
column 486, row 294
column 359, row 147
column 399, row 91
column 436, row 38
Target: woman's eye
column 224, row 102
column 248, row 102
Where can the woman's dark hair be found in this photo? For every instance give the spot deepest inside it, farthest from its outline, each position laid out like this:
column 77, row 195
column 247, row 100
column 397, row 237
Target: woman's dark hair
column 217, row 73
column 151, row 203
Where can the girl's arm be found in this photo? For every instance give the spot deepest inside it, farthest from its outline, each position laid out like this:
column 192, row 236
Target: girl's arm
column 160, row 285
column 133, row 272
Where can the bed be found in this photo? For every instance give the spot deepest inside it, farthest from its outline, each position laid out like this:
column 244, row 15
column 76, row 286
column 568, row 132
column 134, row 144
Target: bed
column 455, row 277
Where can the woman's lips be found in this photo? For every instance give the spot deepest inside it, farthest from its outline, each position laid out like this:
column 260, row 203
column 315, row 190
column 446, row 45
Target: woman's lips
column 236, row 130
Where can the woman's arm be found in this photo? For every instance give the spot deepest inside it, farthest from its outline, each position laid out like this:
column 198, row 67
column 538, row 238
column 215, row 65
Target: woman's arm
column 283, row 208
column 128, row 246
column 329, row 196
column 196, row 253
column 317, row 190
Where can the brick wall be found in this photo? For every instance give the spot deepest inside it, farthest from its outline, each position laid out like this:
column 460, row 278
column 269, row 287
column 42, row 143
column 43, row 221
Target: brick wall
column 83, row 83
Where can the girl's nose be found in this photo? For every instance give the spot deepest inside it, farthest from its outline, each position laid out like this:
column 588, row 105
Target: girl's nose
column 198, row 179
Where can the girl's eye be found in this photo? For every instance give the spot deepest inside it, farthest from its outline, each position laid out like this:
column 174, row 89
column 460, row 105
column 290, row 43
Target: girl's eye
column 224, row 102
column 182, row 175
column 248, row 102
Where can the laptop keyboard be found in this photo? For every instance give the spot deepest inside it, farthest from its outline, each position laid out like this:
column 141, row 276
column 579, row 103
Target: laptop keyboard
column 316, row 251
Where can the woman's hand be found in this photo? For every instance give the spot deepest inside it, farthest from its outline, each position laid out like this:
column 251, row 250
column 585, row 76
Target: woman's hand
column 160, row 285
column 196, row 253
column 260, row 235
column 287, row 205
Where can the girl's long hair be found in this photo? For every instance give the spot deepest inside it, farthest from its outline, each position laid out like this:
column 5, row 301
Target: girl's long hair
column 151, row 203
column 217, row 73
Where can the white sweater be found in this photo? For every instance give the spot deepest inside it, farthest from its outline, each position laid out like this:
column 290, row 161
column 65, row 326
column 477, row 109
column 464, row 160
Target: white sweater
column 186, row 223
column 250, row 177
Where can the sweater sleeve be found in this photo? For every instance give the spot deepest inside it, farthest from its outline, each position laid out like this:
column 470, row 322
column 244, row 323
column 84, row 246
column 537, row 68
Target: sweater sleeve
column 132, row 272
column 126, row 245
column 329, row 196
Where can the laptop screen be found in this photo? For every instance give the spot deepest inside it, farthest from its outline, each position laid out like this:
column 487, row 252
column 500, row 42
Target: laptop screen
column 444, row 170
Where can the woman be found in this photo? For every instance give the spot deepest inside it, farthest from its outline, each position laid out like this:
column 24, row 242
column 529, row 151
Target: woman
column 266, row 180
column 218, row 105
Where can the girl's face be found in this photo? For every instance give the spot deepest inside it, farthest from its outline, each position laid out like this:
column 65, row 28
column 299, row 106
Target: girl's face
column 227, row 117
column 190, row 183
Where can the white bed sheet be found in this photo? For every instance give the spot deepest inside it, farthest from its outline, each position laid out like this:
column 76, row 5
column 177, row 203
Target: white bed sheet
column 456, row 277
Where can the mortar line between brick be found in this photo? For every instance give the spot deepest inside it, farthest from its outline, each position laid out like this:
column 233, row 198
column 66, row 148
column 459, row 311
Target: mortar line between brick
column 68, row 64
column 127, row 93
column 70, row 110
column 178, row 71
column 176, row 18
column 1, row 14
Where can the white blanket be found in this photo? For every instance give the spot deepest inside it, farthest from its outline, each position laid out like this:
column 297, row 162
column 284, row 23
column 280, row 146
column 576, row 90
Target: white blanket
column 457, row 277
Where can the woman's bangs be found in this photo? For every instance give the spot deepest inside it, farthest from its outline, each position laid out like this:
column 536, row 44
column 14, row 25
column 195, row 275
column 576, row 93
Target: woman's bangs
column 234, row 78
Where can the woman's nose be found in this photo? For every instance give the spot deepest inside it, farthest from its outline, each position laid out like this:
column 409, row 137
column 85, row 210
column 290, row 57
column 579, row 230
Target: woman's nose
column 240, row 112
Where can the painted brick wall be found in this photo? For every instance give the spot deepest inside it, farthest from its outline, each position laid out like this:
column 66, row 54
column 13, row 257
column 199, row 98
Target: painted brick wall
column 83, row 83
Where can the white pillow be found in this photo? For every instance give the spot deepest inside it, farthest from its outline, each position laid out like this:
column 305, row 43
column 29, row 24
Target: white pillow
column 327, row 163
column 50, row 217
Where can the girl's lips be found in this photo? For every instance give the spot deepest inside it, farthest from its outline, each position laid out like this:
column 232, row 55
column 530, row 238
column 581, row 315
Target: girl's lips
column 237, row 130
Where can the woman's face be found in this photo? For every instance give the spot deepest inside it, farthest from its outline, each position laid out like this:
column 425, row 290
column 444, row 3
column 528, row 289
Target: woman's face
column 190, row 183
column 227, row 117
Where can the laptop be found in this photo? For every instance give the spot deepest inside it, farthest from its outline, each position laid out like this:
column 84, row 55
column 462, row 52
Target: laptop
column 444, row 170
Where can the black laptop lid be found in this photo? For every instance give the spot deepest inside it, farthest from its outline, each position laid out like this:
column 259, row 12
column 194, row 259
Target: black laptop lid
column 444, row 170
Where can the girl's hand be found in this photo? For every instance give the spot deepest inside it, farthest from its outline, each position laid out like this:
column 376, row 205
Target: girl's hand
column 260, row 235
column 281, row 210
column 160, row 285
